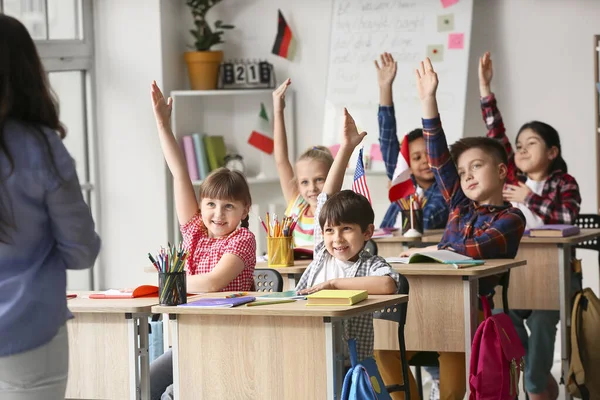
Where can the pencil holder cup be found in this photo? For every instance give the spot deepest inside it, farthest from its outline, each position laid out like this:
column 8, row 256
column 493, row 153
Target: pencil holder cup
column 280, row 251
column 172, row 288
column 417, row 221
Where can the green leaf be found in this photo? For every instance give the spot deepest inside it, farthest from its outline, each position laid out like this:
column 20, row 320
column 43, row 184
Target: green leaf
column 218, row 23
column 227, row 26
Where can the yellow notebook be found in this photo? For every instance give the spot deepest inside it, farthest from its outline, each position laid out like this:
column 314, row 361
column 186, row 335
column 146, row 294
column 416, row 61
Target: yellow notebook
column 336, row 297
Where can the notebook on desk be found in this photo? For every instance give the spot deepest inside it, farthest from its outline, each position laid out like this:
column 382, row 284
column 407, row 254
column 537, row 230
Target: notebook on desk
column 336, row 297
column 140, row 291
column 556, row 230
column 439, row 256
column 219, row 302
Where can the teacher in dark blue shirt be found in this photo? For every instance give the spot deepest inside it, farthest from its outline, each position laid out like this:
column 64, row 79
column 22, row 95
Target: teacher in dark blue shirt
column 45, row 225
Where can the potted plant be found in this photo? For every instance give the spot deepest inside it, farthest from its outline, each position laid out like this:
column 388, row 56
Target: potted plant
column 203, row 64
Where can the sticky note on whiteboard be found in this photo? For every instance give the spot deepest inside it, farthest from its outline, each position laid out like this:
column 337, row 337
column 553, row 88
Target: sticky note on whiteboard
column 375, row 152
column 456, row 41
column 435, row 52
column 445, row 22
column 448, row 3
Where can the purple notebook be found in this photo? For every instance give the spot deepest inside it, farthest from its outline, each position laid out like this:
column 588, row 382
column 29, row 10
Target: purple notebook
column 219, row 302
column 556, row 230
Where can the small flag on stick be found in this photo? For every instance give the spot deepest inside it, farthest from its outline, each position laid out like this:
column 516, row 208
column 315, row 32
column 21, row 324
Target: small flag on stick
column 360, row 181
column 285, row 44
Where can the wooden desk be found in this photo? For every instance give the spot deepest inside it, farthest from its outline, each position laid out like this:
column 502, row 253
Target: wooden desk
column 245, row 352
column 108, row 348
column 443, row 309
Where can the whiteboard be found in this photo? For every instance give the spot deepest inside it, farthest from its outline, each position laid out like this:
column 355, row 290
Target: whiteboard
column 410, row 30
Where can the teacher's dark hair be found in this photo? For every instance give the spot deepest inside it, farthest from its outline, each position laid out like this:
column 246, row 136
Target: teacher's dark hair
column 25, row 97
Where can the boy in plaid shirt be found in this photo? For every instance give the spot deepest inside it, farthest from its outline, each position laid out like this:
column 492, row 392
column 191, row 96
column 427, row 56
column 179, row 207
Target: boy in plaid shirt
column 345, row 224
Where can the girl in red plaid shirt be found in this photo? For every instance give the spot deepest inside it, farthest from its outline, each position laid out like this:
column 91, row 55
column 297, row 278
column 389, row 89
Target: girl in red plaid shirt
column 548, row 195
column 222, row 249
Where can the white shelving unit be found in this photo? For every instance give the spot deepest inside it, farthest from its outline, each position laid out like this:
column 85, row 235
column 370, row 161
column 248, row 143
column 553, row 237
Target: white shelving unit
column 234, row 114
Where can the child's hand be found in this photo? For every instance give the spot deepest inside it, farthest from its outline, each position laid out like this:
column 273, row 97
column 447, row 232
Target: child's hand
column 351, row 138
column 279, row 96
column 427, row 80
column 321, row 286
column 516, row 193
column 387, row 71
column 486, row 72
column 162, row 108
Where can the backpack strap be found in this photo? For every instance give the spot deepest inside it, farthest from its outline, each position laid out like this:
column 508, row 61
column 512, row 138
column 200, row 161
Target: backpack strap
column 577, row 378
column 487, row 311
column 352, row 352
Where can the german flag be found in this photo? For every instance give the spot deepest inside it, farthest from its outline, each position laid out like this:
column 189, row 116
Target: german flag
column 285, row 45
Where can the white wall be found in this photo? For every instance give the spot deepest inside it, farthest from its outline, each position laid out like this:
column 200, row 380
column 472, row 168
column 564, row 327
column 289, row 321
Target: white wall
column 542, row 53
column 132, row 170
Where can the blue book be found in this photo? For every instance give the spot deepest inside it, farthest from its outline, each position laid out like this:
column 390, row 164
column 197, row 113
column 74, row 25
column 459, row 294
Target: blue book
column 202, row 162
column 220, row 302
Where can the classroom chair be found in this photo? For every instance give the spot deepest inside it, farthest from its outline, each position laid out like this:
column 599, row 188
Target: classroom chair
column 371, row 247
column 589, row 221
column 267, row 280
column 397, row 314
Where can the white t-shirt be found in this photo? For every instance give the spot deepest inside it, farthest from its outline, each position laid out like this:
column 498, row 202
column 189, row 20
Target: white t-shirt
column 532, row 219
column 333, row 269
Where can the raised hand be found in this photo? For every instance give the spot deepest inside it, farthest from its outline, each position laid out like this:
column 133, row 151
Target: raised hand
column 162, row 108
column 279, row 95
column 427, row 80
column 386, row 72
column 486, row 72
column 351, row 138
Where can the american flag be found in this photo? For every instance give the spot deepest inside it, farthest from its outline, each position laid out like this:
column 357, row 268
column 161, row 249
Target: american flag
column 360, row 182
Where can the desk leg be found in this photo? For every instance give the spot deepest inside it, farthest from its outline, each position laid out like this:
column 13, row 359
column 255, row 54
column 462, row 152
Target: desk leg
column 564, row 282
column 166, row 341
column 470, row 289
column 139, row 382
column 334, row 357
column 144, row 356
column 175, row 349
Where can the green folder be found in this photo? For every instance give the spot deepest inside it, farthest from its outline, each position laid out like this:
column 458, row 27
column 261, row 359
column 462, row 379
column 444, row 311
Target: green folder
column 215, row 151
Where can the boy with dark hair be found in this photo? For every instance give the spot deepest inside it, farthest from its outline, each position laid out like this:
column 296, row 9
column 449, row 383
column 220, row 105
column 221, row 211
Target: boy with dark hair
column 435, row 211
column 345, row 225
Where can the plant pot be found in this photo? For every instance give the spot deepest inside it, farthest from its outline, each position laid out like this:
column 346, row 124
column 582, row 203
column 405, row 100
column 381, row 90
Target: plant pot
column 203, row 68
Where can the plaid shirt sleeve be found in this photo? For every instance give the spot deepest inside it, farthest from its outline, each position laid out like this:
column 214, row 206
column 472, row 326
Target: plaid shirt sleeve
column 495, row 126
column 560, row 200
column 441, row 163
column 377, row 266
column 501, row 239
column 435, row 212
column 388, row 139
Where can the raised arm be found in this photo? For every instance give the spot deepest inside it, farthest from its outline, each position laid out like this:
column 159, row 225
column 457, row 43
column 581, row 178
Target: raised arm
column 186, row 204
column 388, row 139
column 490, row 113
column 284, row 167
column 350, row 139
column 438, row 154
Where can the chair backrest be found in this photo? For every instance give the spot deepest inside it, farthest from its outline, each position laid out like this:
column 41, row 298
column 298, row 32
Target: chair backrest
column 588, row 221
column 267, row 280
column 371, row 247
column 396, row 313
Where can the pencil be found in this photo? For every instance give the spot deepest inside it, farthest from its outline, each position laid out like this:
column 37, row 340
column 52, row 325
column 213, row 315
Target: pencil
column 269, row 302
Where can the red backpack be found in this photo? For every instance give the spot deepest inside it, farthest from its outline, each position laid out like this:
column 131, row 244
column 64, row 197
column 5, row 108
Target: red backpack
column 497, row 358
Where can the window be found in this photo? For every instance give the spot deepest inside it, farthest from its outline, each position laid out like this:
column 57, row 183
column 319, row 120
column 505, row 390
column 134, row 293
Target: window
column 63, row 33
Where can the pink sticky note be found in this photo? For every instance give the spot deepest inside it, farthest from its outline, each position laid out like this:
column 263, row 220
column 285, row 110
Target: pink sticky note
column 448, row 3
column 375, row 153
column 334, row 149
column 456, row 41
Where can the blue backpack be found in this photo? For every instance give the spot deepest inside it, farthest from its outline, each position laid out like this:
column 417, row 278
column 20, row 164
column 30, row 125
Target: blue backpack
column 363, row 381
